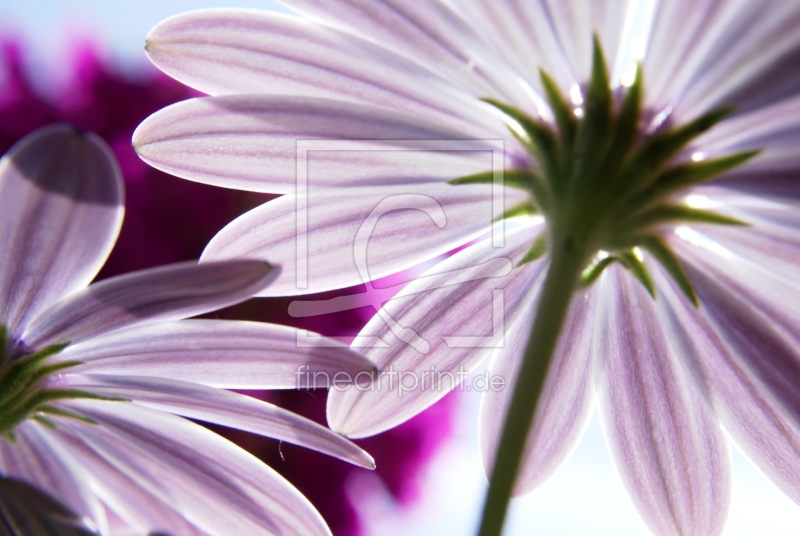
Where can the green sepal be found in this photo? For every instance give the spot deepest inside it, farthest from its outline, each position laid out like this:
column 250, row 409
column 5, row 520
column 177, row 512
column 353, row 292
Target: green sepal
column 639, row 173
column 513, row 178
column 521, row 179
column 593, row 271
column 3, row 343
column 59, row 412
column 595, row 129
column 626, row 127
column 45, row 421
column 681, row 213
column 564, row 116
column 686, row 175
column 28, row 405
column 537, row 251
column 536, row 136
column 12, row 372
column 526, row 208
column 639, row 271
column 659, row 249
column 25, row 377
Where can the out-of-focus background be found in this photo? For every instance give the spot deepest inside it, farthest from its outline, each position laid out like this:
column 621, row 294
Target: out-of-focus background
column 82, row 61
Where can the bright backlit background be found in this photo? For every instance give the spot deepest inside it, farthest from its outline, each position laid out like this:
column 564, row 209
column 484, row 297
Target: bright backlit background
column 584, row 498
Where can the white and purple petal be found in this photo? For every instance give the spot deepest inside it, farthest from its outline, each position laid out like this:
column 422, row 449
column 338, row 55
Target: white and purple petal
column 61, row 199
column 218, row 353
column 238, row 51
column 741, row 402
column 664, row 440
column 215, row 485
column 165, row 293
column 222, row 407
column 267, row 143
column 566, row 401
column 435, row 331
column 351, row 239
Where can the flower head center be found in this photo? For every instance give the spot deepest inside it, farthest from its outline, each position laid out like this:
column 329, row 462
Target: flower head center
column 604, row 189
column 24, row 393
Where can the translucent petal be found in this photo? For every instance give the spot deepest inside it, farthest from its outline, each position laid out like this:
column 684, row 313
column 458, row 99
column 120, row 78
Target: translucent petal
column 218, row 487
column 665, row 442
column 426, row 32
column 222, row 407
column 267, row 143
column 164, row 293
column 61, row 193
column 757, row 425
column 435, row 331
column 218, row 353
column 230, row 51
column 354, row 238
column 567, row 399
column 141, row 510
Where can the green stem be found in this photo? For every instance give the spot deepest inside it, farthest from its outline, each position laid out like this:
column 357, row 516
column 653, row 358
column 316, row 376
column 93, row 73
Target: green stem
column 563, row 277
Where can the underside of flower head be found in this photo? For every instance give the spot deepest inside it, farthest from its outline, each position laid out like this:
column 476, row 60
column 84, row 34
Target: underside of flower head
column 603, row 188
column 22, row 395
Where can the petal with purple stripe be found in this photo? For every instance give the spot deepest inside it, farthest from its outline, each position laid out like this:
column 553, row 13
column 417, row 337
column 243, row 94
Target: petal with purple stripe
column 165, row 293
column 664, row 440
column 62, row 204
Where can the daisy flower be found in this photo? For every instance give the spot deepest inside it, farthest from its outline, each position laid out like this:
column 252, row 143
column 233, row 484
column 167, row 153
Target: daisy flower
column 647, row 257
column 95, row 379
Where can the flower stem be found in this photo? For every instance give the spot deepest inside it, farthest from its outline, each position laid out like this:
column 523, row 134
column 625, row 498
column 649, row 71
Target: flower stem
column 562, row 280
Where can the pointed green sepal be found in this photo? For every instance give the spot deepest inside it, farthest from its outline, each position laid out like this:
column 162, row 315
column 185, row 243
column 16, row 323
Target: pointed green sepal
column 526, row 208
column 45, row 421
column 536, row 136
column 565, row 118
column 659, row 249
column 636, row 267
column 626, row 127
column 537, row 251
column 59, row 412
column 513, row 178
column 686, row 175
column 640, row 172
column 593, row 271
column 594, row 132
column 681, row 213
